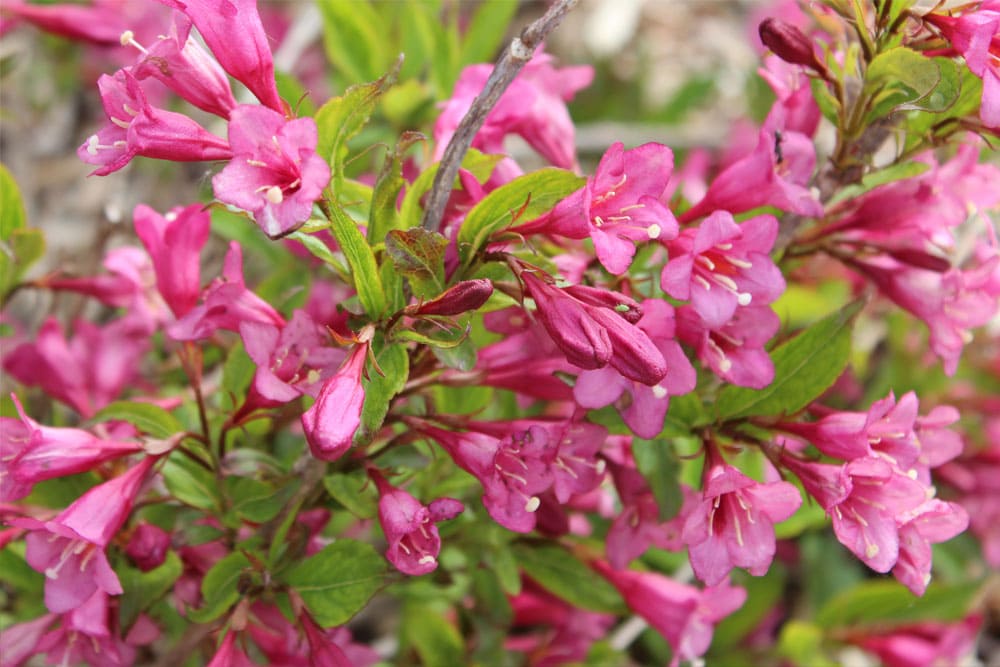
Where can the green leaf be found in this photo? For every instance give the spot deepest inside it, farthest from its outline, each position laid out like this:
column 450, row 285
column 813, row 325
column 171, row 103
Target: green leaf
column 802, row 643
column 316, row 247
column 890, row 603
column 341, row 118
column 945, row 93
column 337, row 582
column 459, row 354
column 525, row 197
column 17, row 574
column 257, row 501
column 220, row 587
column 478, row 164
column 447, row 340
column 804, row 367
column 12, row 214
column 380, row 390
column 22, row 248
column 900, row 76
column 657, row 463
column 237, row 373
column 361, row 259
column 353, row 36
column 143, row 589
column 238, row 227
column 559, row 572
column 354, row 491
column 148, row 418
column 384, row 215
column 485, row 33
column 190, row 483
column 436, row 641
column 827, row 103
column 418, row 254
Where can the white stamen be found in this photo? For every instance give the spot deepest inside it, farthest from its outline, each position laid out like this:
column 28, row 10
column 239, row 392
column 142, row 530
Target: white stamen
column 740, row 263
column 724, row 246
column 274, row 195
column 659, row 391
column 256, row 163
column 598, row 222
column 120, row 123
column 726, row 282
column 701, row 281
column 744, row 298
column 425, row 560
column 126, row 38
column 725, row 365
column 654, row 231
column 170, row 216
column 706, row 262
column 93, row 144
column 871, row 550
column 129, row 110
column 532, row 504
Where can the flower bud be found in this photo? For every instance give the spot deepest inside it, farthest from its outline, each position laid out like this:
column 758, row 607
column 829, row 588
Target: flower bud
column 463, row 297
column 789, row 43
column 148, row 546
column 594, row 296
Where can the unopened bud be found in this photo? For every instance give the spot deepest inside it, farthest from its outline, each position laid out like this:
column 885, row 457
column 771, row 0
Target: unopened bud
column 789, row 43
column 628, row 308
column 921, row 260
column 463, row 297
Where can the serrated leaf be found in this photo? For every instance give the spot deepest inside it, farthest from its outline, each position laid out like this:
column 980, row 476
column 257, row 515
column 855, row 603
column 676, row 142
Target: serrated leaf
column 220, row 587
column 354, row 491
column 526, row 197
column 336, row 583
column 12, row 214
column 390, row 182
column 657, row 463
column 143, row 589
column 353, row 36
column 887, row 603
column 341, row 118
column 190, row 483
column 559, row 572
column 418, row 254
column 361, row 259
column 804, row 367
column 380, row 390
column 146, row 417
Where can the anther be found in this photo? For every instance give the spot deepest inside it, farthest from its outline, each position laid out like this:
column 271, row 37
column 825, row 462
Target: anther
column 532, row 504
column 654, row 231
column 274, row 195
column 659, row 391
column 744, row 298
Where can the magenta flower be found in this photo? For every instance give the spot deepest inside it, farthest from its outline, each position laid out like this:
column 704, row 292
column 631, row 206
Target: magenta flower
column 867, row 500
column 174, row 242
column 723, row 265
column 735, row 352
column 85, row 636
column 275, row 173
column 226, row 304
column 976, row 35
column 760, row 179
column 619, row 207
column 645, row 412
column 332, row 421
column 136, row 128
column 684, row 615
column 594, row 336
column 934, row 521
column 32, row 453
column 559, row 632
column 148, row 546
column 19, row 642
column 410, row 527
column 926, row 643
column 291, row 360
column 69, row 549
column 791, row 86
column 100, row 23
column 182, row 65
column 229, row 654
column 248, row 59
column 534, row 107
column 733, row 525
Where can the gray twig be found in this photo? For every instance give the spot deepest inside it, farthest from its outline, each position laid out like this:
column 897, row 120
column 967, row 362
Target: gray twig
column 510, row 63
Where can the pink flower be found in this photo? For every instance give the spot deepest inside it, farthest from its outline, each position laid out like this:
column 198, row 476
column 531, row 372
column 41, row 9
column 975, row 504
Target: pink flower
column 19, row 642
column 761, row 179
column 976, row 35
column 32, row 453
column 594, row 336
column 226, row 304
column 409, row 527
column 98, row 23
column 136, row 128
column 291, row 360
column 534, row 107
column 229, row 654
column 723, row 265
column 927, row 643
column 645, row 412
column 248, row 58
column 619, row 206
column 735, row 352
column 69, row 549
column 182, row 65
column 148, row 546
column 684, row 615
column 791, row 86
column 174, row 242
column 275, row 173
column 866, row 499
column 733, row 525
column 332, row 421
column 934, row 521
column 86, row 637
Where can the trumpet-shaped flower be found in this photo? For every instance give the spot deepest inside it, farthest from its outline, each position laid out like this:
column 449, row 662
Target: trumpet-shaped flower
column 332, row 421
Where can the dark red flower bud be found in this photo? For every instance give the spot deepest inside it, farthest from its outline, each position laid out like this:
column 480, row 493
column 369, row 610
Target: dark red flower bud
column 921, row 260
column 463, row 297
column 789, row 43
column 148, row 546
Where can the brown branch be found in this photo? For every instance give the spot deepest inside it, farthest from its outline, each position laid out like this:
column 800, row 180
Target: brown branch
column 510, row 63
